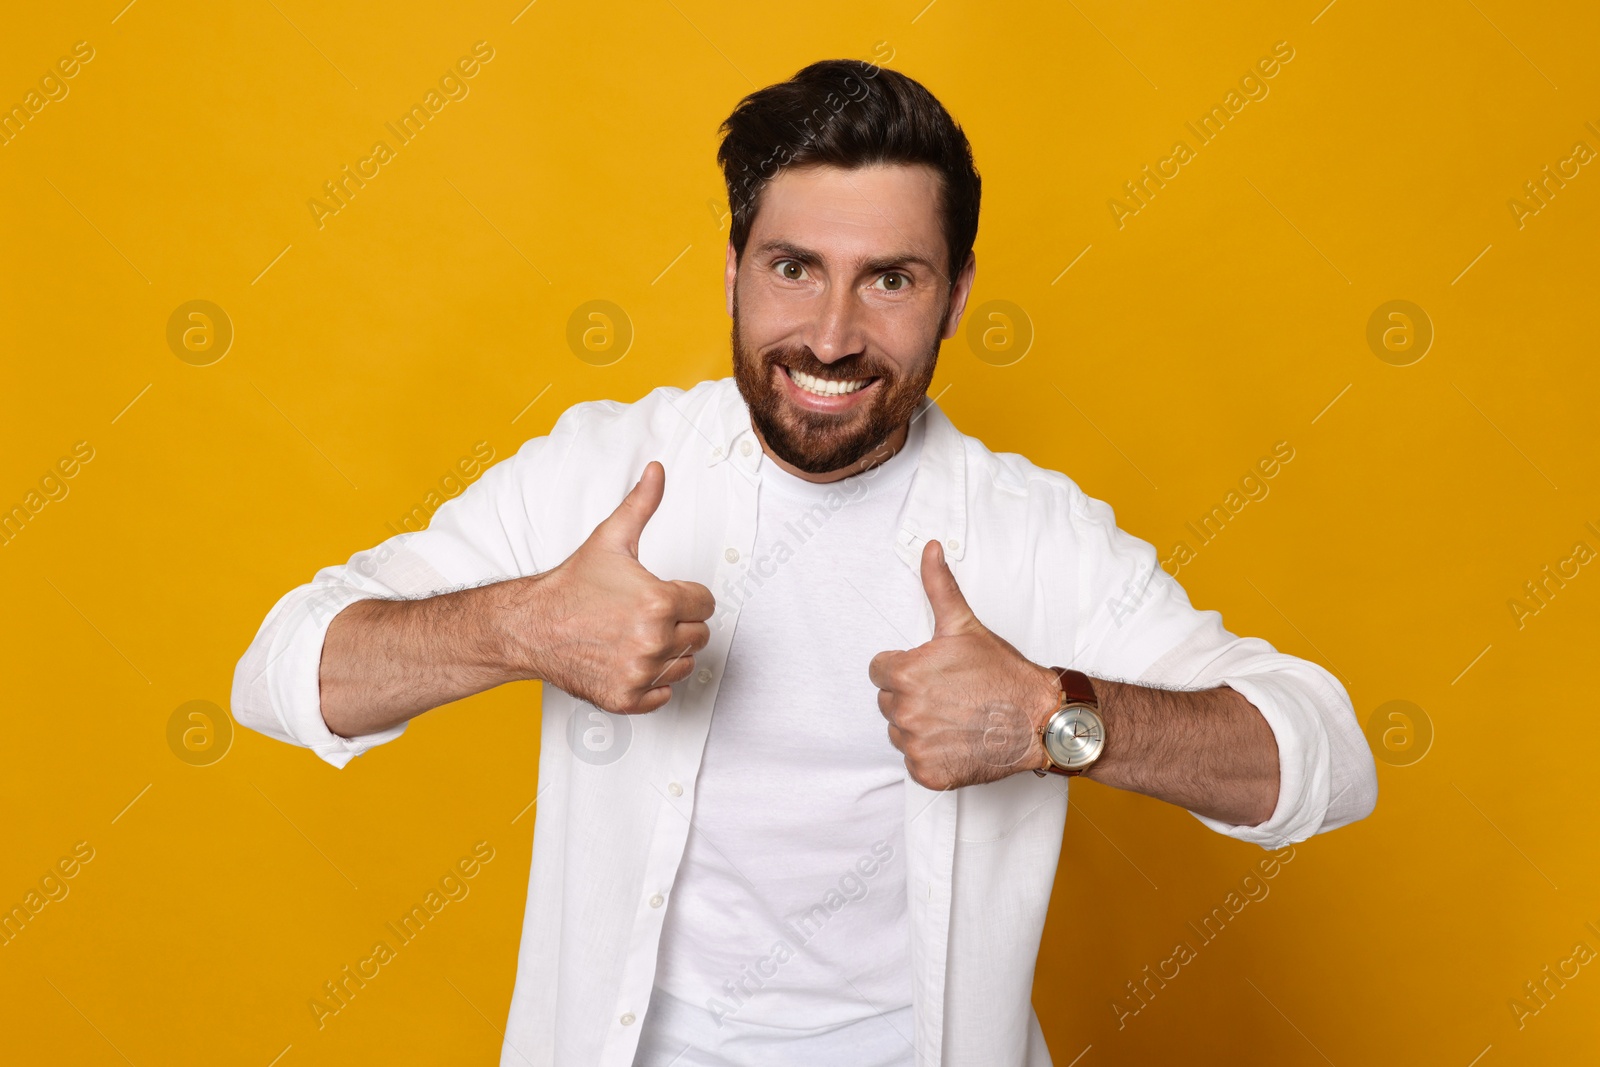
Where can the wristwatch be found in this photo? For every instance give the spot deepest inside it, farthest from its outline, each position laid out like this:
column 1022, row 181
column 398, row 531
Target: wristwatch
column 1074, row 736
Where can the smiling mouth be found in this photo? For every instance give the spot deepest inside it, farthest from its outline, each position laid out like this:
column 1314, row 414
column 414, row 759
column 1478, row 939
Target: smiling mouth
column 827, row 386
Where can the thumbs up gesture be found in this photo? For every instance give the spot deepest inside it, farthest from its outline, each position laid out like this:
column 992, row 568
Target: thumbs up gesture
column 605, row 629
column 965, row 707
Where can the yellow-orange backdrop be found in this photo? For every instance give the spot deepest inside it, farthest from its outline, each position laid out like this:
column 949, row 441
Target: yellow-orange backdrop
column 1175, row 340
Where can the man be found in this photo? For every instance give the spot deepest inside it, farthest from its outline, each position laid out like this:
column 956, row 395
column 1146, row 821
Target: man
column 804, row 683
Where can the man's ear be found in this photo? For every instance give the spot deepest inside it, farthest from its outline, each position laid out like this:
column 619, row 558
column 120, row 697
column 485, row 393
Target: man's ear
column 731, row 275
column 958, row 296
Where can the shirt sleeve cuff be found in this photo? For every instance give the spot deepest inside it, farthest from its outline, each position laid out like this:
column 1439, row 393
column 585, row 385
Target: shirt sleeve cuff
column 1303, row 774
column 292, row 679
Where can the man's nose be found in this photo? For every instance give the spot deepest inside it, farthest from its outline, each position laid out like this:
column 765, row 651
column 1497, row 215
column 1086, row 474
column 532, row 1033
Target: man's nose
column 839, row 331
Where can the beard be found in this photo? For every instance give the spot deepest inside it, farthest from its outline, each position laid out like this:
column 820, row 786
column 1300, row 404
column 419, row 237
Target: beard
column 819, row 442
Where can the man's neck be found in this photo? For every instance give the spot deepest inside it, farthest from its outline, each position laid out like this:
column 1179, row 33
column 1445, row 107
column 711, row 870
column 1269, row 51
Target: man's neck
column 874, row 456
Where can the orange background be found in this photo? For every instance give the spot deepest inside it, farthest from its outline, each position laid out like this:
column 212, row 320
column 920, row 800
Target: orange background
column 230, row 878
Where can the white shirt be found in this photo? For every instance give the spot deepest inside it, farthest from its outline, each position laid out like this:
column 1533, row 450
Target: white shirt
column 1040, row 562
column 786, row 939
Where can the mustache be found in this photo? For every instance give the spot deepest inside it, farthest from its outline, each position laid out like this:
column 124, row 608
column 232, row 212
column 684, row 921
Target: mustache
column 804, row 360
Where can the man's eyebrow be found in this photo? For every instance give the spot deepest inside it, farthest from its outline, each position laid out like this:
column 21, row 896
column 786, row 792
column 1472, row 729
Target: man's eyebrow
column 870, row 266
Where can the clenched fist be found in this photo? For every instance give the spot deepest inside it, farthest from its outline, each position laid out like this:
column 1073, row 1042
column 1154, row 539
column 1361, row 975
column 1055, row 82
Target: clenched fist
column 606, row 630
column 966, row 706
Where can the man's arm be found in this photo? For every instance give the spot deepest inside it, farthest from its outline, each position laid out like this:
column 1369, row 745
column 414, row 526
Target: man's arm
column 599, row 626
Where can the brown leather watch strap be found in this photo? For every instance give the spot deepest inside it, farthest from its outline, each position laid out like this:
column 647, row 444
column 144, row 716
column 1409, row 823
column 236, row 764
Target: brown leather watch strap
column 1077, row 686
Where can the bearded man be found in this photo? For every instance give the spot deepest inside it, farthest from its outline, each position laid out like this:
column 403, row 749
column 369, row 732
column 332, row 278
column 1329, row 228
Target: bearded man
column 817, row 667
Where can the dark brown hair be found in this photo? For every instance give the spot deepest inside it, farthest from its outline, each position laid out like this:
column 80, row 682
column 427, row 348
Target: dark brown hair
column 848, row 113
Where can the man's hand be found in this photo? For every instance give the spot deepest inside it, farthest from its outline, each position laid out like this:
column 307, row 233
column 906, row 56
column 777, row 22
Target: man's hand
column 603, row 628
column 966, row 707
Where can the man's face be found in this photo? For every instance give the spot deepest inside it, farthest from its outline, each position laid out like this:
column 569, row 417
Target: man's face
column 838, row 309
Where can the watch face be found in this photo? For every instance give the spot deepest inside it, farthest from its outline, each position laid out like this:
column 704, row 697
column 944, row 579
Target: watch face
column 1074, row 737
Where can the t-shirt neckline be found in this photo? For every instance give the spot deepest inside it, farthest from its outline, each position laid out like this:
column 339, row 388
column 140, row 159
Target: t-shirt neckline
column 891, row 473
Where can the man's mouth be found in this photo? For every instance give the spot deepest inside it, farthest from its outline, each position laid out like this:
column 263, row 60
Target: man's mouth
column 826, row 386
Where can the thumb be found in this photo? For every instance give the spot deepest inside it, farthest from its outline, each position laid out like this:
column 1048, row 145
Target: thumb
column 621, row 529
column 951, row 614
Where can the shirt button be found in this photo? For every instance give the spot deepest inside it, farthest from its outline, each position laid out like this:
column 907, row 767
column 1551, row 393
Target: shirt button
column 703, row 675
column 675, row 789
column 716, row 453
column 745, row 448
column 952, row 544
column 627, row 1018
column 657, row 900
column 731, row 555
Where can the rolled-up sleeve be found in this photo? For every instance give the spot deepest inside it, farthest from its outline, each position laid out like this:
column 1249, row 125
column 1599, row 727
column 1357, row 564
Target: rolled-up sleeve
column 275, row 684
column 484, row 535
column 1141, row 628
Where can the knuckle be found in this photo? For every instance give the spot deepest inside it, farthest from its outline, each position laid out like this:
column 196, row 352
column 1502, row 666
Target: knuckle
column 657, row 601
column 650, row 635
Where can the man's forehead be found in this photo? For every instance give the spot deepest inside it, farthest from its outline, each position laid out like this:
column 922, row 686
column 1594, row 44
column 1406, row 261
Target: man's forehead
column 854, row 213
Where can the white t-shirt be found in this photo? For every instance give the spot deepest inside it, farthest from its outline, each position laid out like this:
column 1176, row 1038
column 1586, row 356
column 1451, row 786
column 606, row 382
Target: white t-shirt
column 786, row 937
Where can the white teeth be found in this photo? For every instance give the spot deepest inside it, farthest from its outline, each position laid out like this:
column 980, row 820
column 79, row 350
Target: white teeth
column 824, row 386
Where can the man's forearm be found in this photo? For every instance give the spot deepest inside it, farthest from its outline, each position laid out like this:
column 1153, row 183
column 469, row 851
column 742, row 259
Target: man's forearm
column 1207, row 750
column 386, row 661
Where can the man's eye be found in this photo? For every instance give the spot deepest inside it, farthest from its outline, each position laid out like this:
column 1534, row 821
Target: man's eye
column 791, row 270
column 894, row 281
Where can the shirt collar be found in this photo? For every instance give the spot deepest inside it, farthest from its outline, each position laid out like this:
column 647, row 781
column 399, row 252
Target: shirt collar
column 936, row 505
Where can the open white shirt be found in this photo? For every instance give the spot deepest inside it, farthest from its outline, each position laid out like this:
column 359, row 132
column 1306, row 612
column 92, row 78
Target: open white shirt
column 1041, row 563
